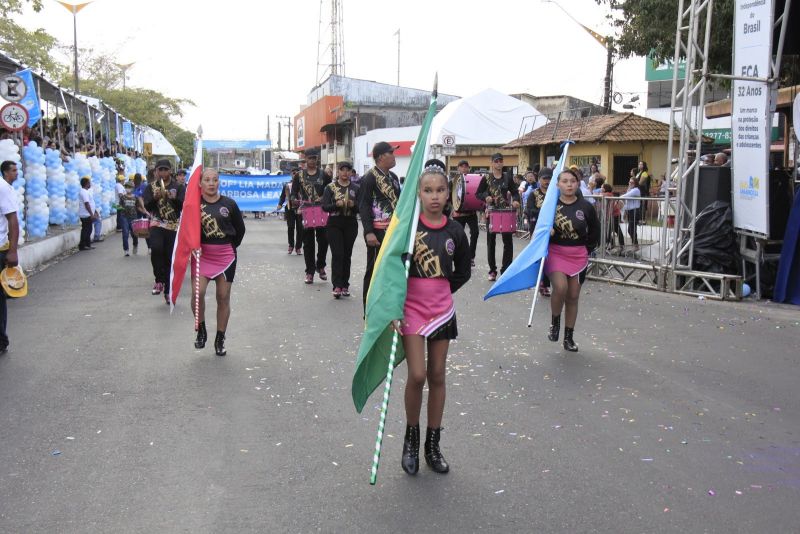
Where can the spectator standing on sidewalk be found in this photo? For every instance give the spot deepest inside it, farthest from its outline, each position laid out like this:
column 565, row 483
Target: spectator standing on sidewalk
column 87, row 213
column 9, row 237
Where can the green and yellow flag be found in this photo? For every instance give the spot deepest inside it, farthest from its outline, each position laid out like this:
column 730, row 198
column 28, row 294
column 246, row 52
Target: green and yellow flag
column 387, row 290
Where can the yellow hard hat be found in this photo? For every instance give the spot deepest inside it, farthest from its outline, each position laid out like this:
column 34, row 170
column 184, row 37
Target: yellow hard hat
column 14, row 282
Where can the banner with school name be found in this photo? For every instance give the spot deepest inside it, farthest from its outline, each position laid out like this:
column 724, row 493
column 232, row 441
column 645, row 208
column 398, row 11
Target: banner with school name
column 253, row 192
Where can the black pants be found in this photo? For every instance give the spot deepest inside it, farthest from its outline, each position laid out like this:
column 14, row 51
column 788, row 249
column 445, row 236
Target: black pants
column 614, row 229
column 162, row 241
column 470, row 220
column 313, row 263
column 3, row 308
column 294, row 224
column 633, row 217
column 508, row 250
column 342, row 233
column 372, row 255
column 86, row 233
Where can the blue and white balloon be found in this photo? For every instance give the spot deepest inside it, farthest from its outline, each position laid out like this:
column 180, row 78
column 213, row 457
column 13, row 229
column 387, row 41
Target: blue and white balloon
column 9, row 151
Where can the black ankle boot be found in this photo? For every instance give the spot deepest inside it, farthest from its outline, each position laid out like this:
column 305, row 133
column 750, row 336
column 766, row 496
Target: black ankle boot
column 433, row 456
column 202, row 336
column 219, row 344
column 410, row 461
column 555, row 327
column 569, row 344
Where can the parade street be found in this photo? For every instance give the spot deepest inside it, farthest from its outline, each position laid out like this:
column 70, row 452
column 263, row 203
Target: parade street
column 677, row 415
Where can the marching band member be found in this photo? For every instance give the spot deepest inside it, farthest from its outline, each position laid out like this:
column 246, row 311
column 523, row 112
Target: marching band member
column 574, row 235
column 380, row 189
column 468, row 218
column 440, row 266
column 221, row 232
column 532, row 208
column 308, row 186
column 163, row 198
column 294, row 222
column 339, row 199
column 494, row 189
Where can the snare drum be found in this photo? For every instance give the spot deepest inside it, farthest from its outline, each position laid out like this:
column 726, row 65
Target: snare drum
column 464, row 190
column 314, row 216
column 141, row 228
column 502, row 221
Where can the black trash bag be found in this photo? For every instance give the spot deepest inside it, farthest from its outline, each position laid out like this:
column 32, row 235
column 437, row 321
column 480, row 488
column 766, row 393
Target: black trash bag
column 715, row 246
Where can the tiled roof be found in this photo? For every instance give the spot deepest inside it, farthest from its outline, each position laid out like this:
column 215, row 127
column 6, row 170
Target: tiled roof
column 615, row 128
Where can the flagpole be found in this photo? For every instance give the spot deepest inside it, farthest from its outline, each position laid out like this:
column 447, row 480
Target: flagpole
column 536, row 290
column 376, row 458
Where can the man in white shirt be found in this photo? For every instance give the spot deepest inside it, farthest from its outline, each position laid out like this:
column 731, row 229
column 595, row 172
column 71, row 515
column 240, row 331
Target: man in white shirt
column 9, row 236
column 88, row 213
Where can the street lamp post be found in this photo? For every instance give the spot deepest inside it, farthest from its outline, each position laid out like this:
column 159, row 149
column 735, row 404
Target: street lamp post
column 74, row 8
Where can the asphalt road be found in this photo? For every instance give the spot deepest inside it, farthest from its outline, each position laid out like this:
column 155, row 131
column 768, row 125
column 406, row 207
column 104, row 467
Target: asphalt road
column 677, row 414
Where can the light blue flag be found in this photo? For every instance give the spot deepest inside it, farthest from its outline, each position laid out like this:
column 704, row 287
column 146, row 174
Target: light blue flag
column 31, row 100
column 127, row 134
column 524, row 270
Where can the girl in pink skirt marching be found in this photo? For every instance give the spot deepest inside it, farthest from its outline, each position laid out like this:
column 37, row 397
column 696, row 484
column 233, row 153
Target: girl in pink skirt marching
column 574, row 235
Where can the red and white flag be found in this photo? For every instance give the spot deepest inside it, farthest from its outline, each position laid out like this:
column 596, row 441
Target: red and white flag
column 188, row 238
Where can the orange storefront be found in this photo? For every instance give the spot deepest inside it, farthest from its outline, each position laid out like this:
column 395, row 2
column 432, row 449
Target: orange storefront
column 309, row 122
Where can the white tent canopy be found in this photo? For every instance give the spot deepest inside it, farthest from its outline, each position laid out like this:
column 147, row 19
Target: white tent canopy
column 161, row 147
column 485, row 118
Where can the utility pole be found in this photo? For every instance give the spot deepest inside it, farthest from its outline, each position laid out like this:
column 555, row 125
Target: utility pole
column 288, row 126
column 397, row 33
column 605, row 42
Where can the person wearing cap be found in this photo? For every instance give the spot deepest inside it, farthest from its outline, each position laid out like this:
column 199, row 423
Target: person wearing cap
column 180, row 176
column 468, row 218
column 294, row 222
column 163, row 198
column 380, row 189
column 127, row 209
column 532, row 208
column 119, row 191
column 339, row 200
column 307, row 187
column 9, row 237
column 498, row 191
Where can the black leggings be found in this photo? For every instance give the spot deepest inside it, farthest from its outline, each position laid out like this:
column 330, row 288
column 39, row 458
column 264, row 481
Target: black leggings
column 633, row 216
column 294, row 224
column 162, row 241
column 342, row 232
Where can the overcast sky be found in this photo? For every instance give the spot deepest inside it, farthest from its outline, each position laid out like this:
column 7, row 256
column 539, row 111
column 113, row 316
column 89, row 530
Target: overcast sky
column 241, row 61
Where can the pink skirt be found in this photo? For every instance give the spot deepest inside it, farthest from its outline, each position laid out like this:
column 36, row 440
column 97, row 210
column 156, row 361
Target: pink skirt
column 216, row 260
column 429, row 306
column 568, row 260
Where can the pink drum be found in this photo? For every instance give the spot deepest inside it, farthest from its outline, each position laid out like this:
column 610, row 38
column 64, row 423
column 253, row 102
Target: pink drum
column 502, row 221
column 314, row 216
column 464, row 190
column 141, row 228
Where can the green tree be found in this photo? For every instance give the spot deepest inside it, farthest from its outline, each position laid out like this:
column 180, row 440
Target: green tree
column 33, row 48
column 102, row 78
column 649, row 25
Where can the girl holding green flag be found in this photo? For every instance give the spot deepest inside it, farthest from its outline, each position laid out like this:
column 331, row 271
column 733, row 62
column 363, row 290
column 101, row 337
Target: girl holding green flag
column 440, row 265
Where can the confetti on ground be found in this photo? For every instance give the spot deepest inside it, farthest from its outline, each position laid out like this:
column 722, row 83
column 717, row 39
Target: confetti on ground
column 56, row 452
column 712, row 492
column 498, row 492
